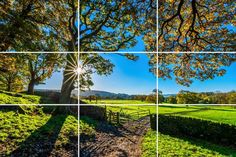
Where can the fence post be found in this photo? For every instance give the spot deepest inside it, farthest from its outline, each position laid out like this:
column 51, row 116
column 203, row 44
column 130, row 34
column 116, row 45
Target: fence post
column 105, row 114
column 153, row 121
column 118, row 117
column 110, row 117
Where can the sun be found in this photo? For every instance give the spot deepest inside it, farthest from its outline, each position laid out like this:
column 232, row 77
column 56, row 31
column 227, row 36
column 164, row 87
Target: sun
column 72, row 69
column 78, row 70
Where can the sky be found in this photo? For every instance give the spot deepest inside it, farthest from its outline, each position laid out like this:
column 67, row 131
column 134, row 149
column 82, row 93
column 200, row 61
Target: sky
column 54, row 82
column 140, row 46
column 224, row 83
column 130, row 77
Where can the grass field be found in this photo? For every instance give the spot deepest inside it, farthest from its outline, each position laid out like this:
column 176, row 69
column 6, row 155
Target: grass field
column 107, row 101
column 182, row 146
column 36, row 134
column 130, row 109
column 223, row 114
column 171, row 147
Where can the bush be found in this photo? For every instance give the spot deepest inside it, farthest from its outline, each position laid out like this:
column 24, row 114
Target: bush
column 215, row 132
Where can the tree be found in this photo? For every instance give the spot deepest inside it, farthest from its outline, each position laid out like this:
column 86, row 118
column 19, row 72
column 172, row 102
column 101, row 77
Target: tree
column 12, row 77
column 196, row 25
column 41, row 66
column 161, row 98
column 70, row 79
column 171, row 100
column 151, row 98
column 188, row 66
column 113, row 25
column 29, row 25
column 186, row 97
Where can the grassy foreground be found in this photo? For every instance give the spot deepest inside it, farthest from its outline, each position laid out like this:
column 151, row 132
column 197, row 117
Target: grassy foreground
column 37, row 134
column 171, row 146
column 149, row 144
column 107, row 101
column 21, row 98
column 182, row 146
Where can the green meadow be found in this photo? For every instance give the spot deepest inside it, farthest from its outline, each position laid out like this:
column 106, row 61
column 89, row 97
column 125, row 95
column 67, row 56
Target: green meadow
column 222, row 114
column 37, row 130
column 171, row 145
column 108, row 101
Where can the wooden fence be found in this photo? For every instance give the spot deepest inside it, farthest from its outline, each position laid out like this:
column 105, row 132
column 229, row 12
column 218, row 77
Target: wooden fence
column 122, row 117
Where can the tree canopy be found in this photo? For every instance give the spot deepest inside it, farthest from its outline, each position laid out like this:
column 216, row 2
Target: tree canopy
column 186, row 67
column 196, row 25
column 113, row 25
column 13, row 72
column 31, row 25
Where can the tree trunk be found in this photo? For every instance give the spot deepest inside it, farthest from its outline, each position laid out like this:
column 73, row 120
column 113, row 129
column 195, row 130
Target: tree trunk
column 68, row 79
column 31, row 87
column 9, row 87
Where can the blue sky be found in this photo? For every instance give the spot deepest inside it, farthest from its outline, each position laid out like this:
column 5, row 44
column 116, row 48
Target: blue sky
column 139, row 47
column 55, row 82
column 224, row 83
column 130, row 77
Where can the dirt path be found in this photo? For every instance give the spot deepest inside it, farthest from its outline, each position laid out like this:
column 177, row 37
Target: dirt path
column 113, row 141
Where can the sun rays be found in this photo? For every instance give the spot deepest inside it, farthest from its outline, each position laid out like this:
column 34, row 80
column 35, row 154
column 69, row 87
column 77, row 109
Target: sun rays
column 72, row 69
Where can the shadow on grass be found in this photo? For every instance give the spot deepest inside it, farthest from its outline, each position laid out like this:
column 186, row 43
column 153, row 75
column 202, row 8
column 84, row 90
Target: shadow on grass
column 223, row 150
column 41, row 142
column 186, row 112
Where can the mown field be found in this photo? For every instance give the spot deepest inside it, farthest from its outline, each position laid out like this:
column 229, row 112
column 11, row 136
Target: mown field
column 223, row 114
column 186, row 146
column 37, row 132
column 107, row 101
column 130, row 109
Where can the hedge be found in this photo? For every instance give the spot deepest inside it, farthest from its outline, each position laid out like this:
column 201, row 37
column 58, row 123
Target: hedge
column 153, row 121
column 219, row 133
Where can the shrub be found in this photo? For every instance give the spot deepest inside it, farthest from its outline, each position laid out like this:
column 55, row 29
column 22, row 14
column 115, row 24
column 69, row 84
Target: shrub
column 215, row 132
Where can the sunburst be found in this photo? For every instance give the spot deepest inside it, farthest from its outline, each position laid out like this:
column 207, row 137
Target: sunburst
column 72, row 69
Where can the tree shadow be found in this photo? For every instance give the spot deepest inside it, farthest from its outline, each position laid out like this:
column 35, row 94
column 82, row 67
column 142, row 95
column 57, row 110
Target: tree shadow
column 42, row 141
column 186, row 112
column 223, row 150
column 222, row 109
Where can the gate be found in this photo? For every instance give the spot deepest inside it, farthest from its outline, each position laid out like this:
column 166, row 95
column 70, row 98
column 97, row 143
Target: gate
column 122, row 117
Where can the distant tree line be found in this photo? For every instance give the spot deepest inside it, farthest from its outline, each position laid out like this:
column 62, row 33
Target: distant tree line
column 187, row 97
column 152, row 98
